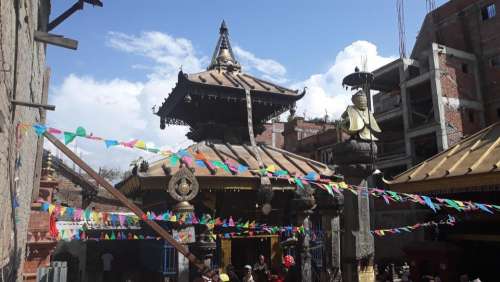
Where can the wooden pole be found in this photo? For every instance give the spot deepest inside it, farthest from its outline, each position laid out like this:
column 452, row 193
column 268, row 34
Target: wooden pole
column 134, row 208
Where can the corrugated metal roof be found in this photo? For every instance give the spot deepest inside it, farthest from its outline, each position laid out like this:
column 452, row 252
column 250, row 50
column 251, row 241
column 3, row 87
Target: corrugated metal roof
column 476, row 155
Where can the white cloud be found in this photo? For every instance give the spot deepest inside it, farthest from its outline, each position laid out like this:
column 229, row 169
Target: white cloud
column 166, row 51
column 268, row 68
column 325, row 91
column 122, row 109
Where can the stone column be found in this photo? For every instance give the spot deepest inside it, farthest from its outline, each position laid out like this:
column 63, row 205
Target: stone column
column 330, row 209
column 354, row 158
column 302, row 204
column 305, row 252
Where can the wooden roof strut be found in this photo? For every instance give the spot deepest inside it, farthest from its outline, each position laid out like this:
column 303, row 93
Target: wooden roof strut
column 133, row 207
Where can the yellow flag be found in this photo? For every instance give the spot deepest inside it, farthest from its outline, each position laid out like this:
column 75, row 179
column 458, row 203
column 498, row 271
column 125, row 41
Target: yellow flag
column 51, row 208
column 95, row 217
column 271, row 168
column 173, row 218
column 140, row 144
column 343, row 185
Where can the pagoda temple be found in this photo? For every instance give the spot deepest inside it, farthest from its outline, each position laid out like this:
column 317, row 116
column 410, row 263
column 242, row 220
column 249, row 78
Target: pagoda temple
column 227, row 175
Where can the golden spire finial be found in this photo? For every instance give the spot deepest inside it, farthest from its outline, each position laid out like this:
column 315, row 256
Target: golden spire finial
column 223, row 57
column 47, row 169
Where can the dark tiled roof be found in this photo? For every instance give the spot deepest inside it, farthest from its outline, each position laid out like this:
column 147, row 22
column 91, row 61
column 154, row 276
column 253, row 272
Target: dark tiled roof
column 238, row 80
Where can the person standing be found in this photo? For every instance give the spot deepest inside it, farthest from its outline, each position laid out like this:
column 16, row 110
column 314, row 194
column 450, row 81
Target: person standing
column 261, row 270
column 248, row 274
column 107, row 259
column 232, row 275
column 292, row 273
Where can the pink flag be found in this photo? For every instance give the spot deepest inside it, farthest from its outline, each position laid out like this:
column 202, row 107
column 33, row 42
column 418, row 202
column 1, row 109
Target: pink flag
column 121, row 218
column 129, row 144
column 54, row 130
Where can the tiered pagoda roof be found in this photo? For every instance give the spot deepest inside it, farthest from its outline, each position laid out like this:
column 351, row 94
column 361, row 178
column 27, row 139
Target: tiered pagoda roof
column 215, row 98
column 213, row 103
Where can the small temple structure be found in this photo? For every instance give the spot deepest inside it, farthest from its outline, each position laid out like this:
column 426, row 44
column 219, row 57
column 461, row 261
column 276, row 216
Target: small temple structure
column 226, row 174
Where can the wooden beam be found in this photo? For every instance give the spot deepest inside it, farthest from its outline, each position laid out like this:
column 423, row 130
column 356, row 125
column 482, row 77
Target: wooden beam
column 34, row 105
column 66, row 14
column 463, row 157
column 57, row 40
column 442, row 161
column 126, row 202
column 39, row 144
column 484, row 155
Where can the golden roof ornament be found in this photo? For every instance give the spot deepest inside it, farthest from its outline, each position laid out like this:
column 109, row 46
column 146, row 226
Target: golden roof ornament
column 223, row 57
column 47, row 169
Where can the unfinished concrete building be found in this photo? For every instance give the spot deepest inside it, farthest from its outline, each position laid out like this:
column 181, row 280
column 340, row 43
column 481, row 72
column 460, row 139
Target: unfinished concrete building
column 447, row 90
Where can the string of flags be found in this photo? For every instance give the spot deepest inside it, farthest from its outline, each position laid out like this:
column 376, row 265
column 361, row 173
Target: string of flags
column 91, row 220
column 70, row 136
column 68, row 221
column 450, row 220
column 174, row 158
column 434, row 203
column 232, row 166
column 82, row 235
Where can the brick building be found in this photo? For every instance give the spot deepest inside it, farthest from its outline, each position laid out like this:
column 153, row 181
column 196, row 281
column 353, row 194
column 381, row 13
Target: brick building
column 311, row 139
column 23, row 77
column 447, row 90
column 272, row 134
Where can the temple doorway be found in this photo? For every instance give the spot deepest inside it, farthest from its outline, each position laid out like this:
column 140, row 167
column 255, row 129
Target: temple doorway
column 247, row 250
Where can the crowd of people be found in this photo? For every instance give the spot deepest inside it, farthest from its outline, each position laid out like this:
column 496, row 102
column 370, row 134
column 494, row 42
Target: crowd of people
column 260, row 272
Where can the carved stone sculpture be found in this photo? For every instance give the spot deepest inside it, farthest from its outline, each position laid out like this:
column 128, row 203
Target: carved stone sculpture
column 358, row 121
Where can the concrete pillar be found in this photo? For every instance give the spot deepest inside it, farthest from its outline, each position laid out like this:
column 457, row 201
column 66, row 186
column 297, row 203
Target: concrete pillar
column 405, row 109
column 437, row 98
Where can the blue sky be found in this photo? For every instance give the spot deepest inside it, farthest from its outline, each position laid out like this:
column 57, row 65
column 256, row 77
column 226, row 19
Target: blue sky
column 304, row 36
column 130, row 52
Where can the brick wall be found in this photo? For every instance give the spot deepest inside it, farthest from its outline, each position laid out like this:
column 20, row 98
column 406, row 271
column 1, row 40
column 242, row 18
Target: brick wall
column 299, row 129
column 266, row 137
column 460, row 96
column 458, row 24
column 22, row 65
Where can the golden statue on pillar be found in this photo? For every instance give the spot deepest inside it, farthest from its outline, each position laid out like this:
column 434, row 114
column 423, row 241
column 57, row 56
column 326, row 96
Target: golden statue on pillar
column 358, row 121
